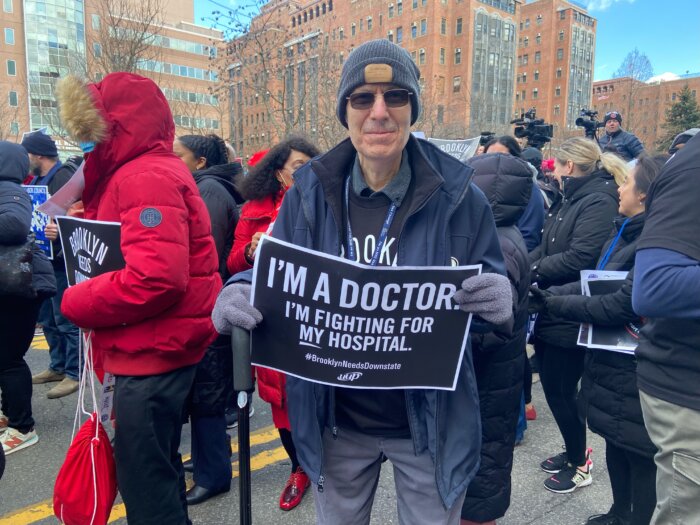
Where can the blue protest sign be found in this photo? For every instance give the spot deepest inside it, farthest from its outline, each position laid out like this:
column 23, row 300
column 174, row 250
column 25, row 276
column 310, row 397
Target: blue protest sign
column 39, row 195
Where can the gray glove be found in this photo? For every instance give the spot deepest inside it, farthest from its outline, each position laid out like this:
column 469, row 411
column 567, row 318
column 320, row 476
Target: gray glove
column 233, row 308
column 487, row 295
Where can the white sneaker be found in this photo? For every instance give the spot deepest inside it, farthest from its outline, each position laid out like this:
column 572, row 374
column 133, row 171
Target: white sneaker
column 13, row 440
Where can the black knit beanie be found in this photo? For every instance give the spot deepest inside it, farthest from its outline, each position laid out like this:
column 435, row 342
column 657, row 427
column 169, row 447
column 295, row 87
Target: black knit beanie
column 38, row 143
column 358, row 70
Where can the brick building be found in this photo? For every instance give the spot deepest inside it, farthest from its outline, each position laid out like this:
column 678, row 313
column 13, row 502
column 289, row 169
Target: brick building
column 45, row 40
column 642, row 104
column 556, row 48
column 283, row 73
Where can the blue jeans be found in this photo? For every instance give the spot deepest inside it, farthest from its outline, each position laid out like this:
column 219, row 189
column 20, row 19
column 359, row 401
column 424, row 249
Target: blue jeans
column 61, row 335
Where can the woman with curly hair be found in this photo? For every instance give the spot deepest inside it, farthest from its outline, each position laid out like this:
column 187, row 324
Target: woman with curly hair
column 264, row 188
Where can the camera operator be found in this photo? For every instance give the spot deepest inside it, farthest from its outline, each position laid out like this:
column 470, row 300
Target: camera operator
column 628, row 146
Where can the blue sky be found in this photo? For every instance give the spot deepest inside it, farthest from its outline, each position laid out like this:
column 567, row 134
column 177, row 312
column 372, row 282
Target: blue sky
column 667, row 31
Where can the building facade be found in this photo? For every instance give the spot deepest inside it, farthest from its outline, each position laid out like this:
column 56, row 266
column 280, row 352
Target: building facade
column 556, row 50
column 642, row 105
column 46, row 40
column 282, row 75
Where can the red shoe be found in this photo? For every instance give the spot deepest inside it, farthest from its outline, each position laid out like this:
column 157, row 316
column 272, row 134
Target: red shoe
column 294, row 490
column 530, row 413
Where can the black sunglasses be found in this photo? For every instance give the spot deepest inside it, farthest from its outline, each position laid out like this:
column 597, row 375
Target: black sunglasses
column 393, row 98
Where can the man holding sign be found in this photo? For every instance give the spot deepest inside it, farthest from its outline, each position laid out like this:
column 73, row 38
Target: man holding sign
column 383, row 197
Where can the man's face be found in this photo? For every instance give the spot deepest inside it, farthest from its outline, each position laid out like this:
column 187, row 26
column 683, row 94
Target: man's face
column 379, row 133
column 612, row 125
column 34, row 162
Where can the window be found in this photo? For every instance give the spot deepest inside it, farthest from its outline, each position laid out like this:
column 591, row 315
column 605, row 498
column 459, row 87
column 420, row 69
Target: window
column 527, row 23
column 9, row 36
column 458, row 55
column 538, row 57
column 560, row 54
column 391, row 10
column 559, row 72
column 440, row 114
column 399, row 8
column 11, row 68
column 423, row 2
column 522, row 94
column 421, row 57
column 361, row 24
column 423, row 26
column 539, row 20
column 443, row 26
column 525, row 57
column 369, row 23
column 14, row 128
column 341, row 33
column 7, row 7
column 399, row 35
column 13, row 99
column 96, row 22
column 562, row 15
column 535, row 92
column 413, row 56
column 96, row 50
column 537, row 74
column 456, row 84
column 442, row 55
column 526, row 42
column 525, row 77
column 538, row 38
column 415, row 4
column 390, row 36
column 414, row 30
column 557, row 110
column 352, row 29
column 557, row 91
column 458, row 30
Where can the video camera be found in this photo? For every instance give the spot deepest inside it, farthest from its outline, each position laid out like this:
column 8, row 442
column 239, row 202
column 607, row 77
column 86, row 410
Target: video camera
column 535, row 130
column 588, row 121
column 485, row 137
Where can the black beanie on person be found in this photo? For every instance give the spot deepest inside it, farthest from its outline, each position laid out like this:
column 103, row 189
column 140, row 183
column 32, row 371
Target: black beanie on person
column 358, row 70
column 38, row 143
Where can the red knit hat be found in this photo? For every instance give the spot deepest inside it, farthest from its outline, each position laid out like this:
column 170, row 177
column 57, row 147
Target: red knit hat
column 257, row 157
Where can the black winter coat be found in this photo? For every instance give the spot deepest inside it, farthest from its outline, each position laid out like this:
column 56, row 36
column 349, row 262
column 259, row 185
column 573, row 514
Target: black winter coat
column 216, row 187
column 215, row 371
column 610, row 378
column 628, row 146
column 499, row 356
column 574, row 233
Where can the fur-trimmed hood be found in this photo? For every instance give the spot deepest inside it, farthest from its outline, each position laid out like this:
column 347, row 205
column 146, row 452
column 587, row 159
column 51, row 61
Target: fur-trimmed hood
column 126, row 115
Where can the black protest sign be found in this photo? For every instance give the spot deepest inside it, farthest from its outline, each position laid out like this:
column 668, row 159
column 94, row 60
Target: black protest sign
column 90, row 248
column 340, row 323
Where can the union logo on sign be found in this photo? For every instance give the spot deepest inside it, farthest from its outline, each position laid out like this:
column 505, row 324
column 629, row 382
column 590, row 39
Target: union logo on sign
column 350, row 376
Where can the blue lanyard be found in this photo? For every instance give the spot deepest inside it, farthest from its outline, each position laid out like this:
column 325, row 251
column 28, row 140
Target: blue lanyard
column 382, row 234
column 604, row 260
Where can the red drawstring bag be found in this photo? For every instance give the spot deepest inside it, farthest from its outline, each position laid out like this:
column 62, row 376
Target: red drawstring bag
column 86, row 485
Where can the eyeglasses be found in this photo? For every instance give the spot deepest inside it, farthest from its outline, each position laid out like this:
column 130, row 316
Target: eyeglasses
column 393, row 98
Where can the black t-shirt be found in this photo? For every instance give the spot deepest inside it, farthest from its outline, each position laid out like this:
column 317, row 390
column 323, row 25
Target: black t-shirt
column 668, row 358
column 373, row 411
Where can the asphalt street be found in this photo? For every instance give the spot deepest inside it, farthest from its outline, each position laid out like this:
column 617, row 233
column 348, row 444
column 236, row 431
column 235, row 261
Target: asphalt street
column 27, row 486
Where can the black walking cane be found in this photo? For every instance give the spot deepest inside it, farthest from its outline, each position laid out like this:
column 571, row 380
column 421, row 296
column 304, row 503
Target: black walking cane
column 242, row 384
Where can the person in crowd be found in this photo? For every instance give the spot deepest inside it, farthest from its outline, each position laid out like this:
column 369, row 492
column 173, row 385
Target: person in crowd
column 264, row 188
column 18, row 314
column 617, row 140
column 610, row 387
column 499, row 356
column 530, row 226
column 345, row 198
column 667, row 292
column 682, row 139
column 150, row 321
column 207, row 159
column 574, row 233
column 61, row 335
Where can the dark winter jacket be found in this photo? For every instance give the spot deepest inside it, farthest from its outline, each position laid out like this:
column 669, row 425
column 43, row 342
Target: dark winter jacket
column 610, row 378
column 216, row 187
column 449, row 220
column 628, row 146
column 499, row 356
column 574, row 233
column 16, row 214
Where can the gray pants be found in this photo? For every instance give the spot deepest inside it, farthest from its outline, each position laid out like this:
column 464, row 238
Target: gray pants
column 675, row 430
column 352, row 463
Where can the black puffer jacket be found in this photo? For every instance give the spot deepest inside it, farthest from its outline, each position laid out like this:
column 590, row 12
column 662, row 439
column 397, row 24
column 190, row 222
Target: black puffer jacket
column 216, row 187
column 574, row 233
column 16, row 214
column 610, row 378
column 499, row 356
column 627, row 145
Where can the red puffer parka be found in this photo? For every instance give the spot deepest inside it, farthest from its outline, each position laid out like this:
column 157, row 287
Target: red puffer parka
column 153, row 316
